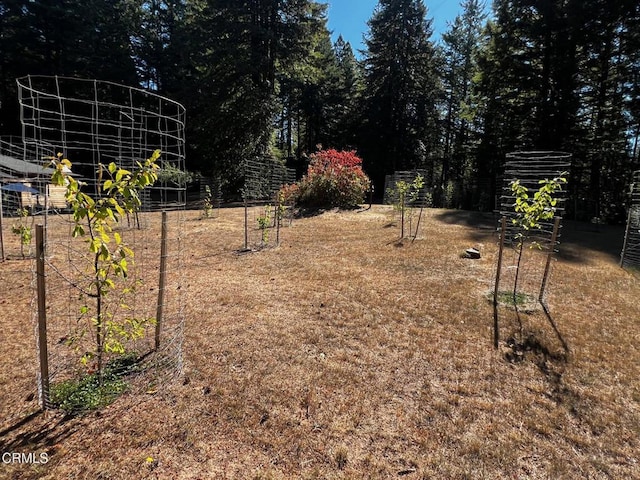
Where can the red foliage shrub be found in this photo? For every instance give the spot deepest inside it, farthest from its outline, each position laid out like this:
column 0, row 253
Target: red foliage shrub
column 333, row 179
column 289, row 194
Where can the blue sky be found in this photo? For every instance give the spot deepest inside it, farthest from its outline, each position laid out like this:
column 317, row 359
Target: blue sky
column 349, row 18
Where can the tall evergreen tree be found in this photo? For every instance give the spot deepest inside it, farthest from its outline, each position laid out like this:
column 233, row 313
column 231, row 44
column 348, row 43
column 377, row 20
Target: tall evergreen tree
column 401, row 90
column 88, row 39
column 160, row 42
column 459, row 68
column 237, row 49
column 347, row 111
column 552, row 78
column 606, row 70
column 308, row 90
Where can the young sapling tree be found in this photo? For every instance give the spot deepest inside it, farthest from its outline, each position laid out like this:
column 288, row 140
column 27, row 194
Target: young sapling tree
column 109, row 256
column 530, row 213
column 264, row 222
column 207, row 204
column 405, row 195
column 23, row 230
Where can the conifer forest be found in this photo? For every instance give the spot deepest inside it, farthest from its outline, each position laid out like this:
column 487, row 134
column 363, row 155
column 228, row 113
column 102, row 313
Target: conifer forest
column 264, row 78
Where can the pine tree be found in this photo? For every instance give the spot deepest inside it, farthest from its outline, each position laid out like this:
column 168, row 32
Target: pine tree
column 553, row 77
column 607, row 67
column 401, row 90
column 347, row 111
column 459, row 109
column 237, row 51
column 87, row 39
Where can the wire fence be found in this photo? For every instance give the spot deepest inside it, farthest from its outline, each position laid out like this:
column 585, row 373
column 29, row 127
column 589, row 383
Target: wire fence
column 151, row 293
column 523, row 268
column 630, row 257
column 94, row 123
column 410, row 217
column 529, row 168
column 264, row 213
column 424, row 197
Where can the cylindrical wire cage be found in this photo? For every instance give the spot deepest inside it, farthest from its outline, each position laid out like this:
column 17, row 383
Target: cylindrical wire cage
column 94, row 123
column 263, row 178
column 533, row 269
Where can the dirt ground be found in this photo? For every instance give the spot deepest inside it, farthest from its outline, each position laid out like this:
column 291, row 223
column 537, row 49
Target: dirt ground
column 344, row 354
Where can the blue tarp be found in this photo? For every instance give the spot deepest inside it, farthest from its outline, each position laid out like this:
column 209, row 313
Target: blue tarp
column 18, row 187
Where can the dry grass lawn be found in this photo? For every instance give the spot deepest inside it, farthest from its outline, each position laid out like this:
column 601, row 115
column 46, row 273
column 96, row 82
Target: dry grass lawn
column 343, row 355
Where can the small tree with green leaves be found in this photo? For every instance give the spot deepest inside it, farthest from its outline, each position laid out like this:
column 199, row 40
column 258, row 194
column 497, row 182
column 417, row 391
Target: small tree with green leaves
column 207, row 204
column 404, row 196
column 109, row 256
column 531, row 212
column 264, row 223
column 23, row 230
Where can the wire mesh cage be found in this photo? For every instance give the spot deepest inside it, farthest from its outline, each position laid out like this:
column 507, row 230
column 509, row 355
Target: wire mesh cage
column 24, row 189
column 151, row 294
column 424, row 195
column 630, row 257
column 406, row 194
column 524, row 266
column 95, row 123
column 263, row 178
column 529, row 168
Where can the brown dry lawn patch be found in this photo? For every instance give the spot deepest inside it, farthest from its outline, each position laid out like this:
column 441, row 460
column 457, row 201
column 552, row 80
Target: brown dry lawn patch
column 341, row 354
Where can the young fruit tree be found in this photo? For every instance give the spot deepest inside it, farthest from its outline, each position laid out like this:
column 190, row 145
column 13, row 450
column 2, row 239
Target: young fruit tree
column 108, row 257
column 23, row 230
column 530, row 213
column 405, row 195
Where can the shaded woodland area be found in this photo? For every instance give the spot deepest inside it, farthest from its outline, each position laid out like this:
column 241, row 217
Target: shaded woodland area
column 263, row 78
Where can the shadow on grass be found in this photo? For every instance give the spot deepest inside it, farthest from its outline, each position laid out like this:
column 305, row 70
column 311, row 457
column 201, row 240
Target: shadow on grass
column 565, row 346
column 579, row 237
column 479, row 220
column 309, row 212
column 36, row 429
column 576, row 239
column 525, row 343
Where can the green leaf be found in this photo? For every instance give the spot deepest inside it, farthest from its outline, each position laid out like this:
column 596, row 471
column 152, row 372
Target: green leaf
column 78, row 231
column 94, row 245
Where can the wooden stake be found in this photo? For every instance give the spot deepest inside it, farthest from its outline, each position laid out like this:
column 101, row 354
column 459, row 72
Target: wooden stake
column 547, row 268
column 278, row 214
column 42, row 319
column 496, row 334
column 162, row 280
column 624, row 245
column 246, row 226
column 418, row 224
column 1, row 234
column 503, row 229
